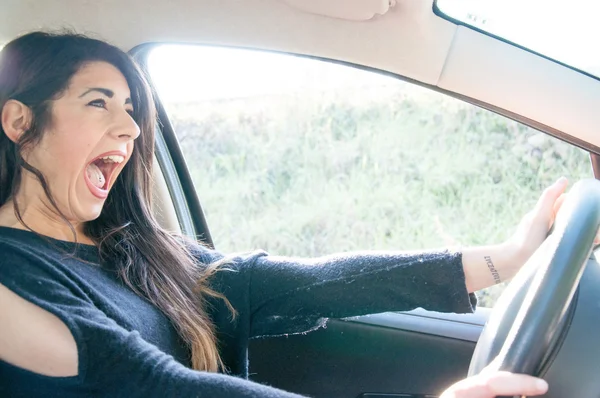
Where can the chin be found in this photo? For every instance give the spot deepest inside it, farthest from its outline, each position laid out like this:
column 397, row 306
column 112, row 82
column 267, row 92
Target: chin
column 90, row 214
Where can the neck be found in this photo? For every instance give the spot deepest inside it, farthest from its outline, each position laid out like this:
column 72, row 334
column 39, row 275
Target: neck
column 38, row 221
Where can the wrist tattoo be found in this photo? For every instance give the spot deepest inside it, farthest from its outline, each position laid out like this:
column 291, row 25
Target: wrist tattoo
column 495, row 274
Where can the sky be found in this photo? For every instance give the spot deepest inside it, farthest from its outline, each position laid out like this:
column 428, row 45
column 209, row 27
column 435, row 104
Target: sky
column 564, row 30
column 183, row 73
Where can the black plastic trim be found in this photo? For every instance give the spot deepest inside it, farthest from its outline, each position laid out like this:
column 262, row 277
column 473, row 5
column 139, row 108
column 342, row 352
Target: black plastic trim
column 176, row 191
column 182, row 174
column 595, row 159
column 560, row 339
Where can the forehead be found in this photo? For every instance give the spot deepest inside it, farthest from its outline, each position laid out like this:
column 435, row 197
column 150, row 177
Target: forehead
column 102, row 75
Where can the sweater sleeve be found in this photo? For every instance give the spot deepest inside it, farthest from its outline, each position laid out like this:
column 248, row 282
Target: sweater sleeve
column 112, row 360
column 292, row 295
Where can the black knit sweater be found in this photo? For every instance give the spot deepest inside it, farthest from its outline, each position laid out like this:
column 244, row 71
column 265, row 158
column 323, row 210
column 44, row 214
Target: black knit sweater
column 128, row 348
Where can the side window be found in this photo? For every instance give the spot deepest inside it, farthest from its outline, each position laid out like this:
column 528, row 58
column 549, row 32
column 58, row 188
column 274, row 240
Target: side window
column 304, row 157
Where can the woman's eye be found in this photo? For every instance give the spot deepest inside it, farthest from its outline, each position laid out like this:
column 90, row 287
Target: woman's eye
column 99, row 103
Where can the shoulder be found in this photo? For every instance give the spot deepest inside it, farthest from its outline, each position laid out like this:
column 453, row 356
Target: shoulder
column 22, row 245
column 22, row 261
column 233, row 261
column 18, row 260
column 232, row 273
column 39, row 275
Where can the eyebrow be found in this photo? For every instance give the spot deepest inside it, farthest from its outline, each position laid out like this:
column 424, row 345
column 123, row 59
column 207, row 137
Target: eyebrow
column 105, row 91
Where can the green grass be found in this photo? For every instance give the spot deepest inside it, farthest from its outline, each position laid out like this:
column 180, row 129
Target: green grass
column 392, row 167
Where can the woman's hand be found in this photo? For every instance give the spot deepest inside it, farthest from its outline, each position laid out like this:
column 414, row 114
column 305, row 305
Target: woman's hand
column 489, row 384
column 489, row 265
column 534, row 227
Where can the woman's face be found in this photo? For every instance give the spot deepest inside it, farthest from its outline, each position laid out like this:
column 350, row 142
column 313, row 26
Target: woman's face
column 91, row 120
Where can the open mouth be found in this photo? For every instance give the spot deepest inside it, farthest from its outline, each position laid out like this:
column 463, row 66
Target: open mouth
column 99, row 172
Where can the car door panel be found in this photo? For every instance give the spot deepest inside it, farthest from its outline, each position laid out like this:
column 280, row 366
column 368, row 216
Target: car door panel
column 392, row 353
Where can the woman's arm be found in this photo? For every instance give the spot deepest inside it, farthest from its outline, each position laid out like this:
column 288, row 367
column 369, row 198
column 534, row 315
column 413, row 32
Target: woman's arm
column 292, row 295
column 485, row 266
column 288, row 295
column 58, row 343
column 489, row 265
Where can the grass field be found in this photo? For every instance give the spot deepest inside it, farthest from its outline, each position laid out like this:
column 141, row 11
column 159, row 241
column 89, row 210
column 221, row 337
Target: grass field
column 386, row 167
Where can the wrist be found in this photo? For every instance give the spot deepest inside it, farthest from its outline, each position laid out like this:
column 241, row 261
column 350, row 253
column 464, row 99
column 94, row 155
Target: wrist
column 515, row 254
column 486, row 266
column 510, row 259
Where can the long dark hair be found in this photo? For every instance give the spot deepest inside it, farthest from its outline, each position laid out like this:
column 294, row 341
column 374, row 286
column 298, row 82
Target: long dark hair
column 36, row 69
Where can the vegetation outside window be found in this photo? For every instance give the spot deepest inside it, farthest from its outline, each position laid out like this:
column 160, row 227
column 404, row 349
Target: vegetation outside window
column 303, row 157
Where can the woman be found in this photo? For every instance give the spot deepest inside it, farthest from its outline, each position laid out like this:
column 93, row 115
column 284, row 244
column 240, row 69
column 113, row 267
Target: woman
column 98, row 299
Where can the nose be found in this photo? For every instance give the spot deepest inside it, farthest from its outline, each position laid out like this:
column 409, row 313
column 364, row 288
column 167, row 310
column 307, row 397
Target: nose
column 125, row 128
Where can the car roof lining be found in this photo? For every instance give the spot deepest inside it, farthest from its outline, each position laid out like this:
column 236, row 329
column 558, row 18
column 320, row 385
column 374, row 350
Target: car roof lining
column 409, row 40
column 524, row 83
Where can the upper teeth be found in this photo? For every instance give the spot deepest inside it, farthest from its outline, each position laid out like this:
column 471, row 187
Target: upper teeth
column 113, row 158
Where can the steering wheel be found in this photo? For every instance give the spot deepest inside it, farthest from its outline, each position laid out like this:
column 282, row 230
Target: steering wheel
column 532, row 318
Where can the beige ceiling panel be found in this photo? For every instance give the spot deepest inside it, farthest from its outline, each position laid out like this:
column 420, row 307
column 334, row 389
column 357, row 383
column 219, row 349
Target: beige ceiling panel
column 409, row 39
column 500, row 74
column 353, row 10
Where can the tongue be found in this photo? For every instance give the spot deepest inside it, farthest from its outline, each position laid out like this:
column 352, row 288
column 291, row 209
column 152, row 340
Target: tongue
column 95, row 175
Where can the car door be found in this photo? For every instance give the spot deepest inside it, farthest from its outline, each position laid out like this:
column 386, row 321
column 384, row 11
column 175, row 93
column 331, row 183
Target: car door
column 305, row 157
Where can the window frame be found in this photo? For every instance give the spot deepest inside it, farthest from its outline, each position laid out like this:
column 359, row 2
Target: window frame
column 191, row 208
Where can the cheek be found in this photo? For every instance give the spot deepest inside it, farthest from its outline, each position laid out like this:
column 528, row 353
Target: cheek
column 66, row 149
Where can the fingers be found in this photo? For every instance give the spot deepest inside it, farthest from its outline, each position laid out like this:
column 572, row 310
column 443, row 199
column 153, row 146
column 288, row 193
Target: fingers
column 506, row 383
column 495, row 384
column 550, row 202
column 557, row 205
column 550, row 195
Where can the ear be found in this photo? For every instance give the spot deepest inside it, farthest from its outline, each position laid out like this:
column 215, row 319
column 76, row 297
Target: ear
column 16, row 119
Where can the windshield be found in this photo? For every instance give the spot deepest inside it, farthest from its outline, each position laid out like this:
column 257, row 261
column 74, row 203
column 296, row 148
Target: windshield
column 566, row 31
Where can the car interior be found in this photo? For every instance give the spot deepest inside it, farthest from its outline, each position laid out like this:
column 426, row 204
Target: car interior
column 410, row 354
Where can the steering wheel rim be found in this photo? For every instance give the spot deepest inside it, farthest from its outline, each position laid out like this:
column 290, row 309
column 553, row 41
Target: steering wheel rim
column 533, row 311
